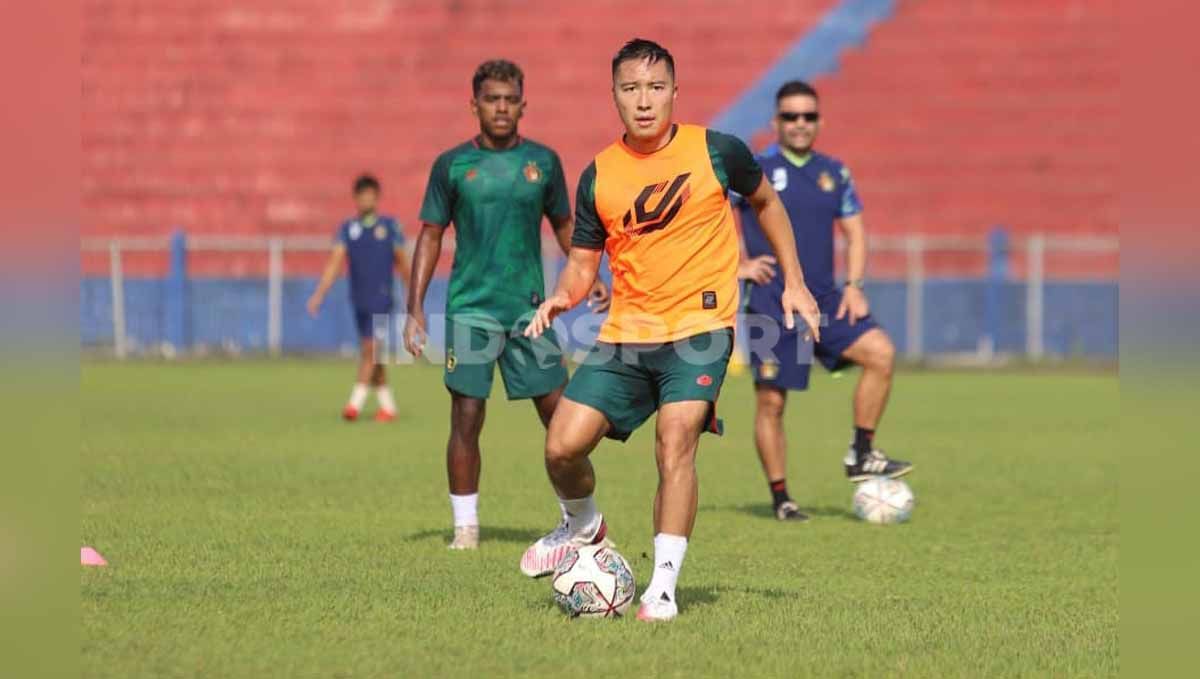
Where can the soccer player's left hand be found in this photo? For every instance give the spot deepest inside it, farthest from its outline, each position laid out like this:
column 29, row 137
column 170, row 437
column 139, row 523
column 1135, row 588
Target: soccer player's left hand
column 854, row 303
column 798, row 300
column 546, row 313
column 598, row 298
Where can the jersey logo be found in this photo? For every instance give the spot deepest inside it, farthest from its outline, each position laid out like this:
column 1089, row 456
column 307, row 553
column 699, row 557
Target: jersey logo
column 668, row 206
column 532, row 173
column 779, row 178
column 355, row 231
column 471, row 174
column 380, row 232
column 826, row 182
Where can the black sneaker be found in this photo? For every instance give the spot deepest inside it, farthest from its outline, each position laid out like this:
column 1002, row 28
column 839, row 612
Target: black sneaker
column 790, row 511
column 874, row 463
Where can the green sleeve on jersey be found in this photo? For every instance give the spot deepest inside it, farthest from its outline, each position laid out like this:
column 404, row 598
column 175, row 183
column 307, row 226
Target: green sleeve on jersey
column 589, row 231
column 556, row 203
column 438, row 205
column 733, row 162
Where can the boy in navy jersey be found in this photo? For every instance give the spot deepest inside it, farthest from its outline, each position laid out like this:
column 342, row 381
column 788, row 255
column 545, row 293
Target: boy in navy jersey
column 818, row 192
column 374, row 245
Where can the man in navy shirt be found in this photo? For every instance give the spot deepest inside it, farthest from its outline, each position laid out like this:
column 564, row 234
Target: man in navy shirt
column 374, row 244
column 818, row 192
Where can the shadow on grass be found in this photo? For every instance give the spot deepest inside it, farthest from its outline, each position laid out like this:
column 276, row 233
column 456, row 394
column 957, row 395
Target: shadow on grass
column 765, row 511
column 688, row 597
column 486, row 534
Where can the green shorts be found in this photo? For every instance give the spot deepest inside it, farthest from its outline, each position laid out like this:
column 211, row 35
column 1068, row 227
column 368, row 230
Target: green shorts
column 629, row 382
column 529, row 367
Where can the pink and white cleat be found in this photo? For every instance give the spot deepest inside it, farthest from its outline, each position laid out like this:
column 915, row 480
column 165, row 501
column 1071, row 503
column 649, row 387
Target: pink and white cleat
column 543, row 556
column 659, row 608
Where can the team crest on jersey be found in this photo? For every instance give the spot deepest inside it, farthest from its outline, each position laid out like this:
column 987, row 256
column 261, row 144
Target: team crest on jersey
column 380, row 232
column 471, row 174
column 769, row 370
column 451, row 361
column 826, row 182
column 532, row 172
column 779, row 178
column 355, row 231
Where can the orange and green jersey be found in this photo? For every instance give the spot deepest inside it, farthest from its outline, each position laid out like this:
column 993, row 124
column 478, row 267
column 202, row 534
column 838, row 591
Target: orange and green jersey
column 664, row 219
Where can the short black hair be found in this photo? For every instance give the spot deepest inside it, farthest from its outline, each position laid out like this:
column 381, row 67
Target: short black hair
column 497, row 69
column 365, row 182
column 640, row 49
column 793, row 87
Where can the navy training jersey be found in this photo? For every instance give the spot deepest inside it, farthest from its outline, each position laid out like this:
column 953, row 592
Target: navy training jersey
column 370, row 244
column 815, row 192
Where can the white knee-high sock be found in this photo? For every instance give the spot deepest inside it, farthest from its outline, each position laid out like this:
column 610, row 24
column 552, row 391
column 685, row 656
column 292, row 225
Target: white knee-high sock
column 669, row 551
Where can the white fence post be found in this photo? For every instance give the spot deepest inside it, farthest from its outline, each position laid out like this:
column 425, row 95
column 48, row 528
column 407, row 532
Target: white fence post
column 275, row 295
column 914, row 312
column 1035, row 265
column 116, row 280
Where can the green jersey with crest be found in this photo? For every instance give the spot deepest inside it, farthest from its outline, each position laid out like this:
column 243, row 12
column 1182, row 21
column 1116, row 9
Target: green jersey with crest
column 495, row 199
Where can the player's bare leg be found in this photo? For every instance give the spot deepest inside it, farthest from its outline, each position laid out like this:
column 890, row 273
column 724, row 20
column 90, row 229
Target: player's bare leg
column 383, row 394
column 771, row 442
column 876, row 355
column 546, row 405
column 677, row 436
column 463, row 462
column 574, row 431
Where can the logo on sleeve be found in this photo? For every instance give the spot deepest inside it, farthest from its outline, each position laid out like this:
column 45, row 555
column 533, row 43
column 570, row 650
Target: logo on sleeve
column 675, row 194
column 709, row 299
column 779, row 178
column 704, row 381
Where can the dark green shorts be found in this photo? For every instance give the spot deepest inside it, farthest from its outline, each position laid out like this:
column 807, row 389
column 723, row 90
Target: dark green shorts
column 529, row 367
column 629, row 382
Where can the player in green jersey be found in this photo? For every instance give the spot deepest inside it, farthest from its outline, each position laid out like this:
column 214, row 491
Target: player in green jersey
column 494, row 189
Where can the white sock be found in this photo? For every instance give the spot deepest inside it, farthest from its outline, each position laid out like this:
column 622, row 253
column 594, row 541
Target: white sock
column 466, row 509
column 581, row 514
column 669, row 551
column 358, row 396
column 384, row 396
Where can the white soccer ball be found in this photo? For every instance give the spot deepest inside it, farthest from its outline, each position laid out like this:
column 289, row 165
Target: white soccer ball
column 593, row 582
column 883, row 500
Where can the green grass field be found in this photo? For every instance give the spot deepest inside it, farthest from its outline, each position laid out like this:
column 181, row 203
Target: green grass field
column 251, row 533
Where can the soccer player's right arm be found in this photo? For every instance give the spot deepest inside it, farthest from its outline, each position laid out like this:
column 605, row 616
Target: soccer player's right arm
column 435, row 217
column 333, row 267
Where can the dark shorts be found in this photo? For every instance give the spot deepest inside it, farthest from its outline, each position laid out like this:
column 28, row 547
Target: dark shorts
column 364, row 322
column 629, row 382
column 785, row 363
column 528, row 367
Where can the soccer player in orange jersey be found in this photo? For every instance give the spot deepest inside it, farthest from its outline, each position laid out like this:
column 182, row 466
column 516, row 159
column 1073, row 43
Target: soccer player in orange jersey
column 657, row 200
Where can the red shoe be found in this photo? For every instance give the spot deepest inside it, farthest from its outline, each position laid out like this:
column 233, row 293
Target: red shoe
column 349, row 413
column 384, row 416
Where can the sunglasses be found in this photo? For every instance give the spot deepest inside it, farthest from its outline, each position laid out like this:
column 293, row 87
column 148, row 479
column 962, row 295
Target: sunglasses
column 791, row 116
